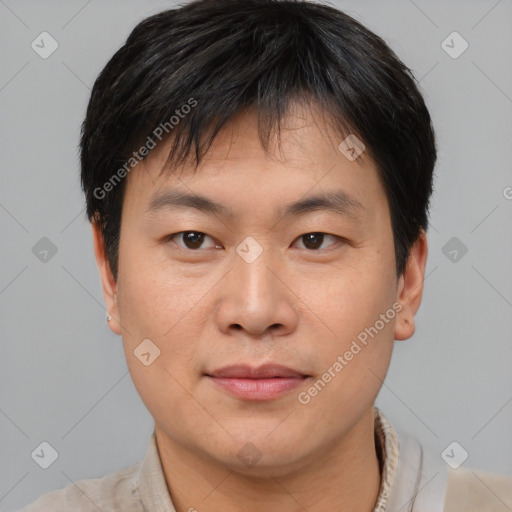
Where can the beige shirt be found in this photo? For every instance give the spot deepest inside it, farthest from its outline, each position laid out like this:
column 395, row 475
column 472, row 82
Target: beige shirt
column 413, row 480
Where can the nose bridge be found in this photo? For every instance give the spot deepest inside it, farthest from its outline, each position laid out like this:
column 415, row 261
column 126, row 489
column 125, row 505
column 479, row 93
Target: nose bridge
column 254, row 279
column 255, row 297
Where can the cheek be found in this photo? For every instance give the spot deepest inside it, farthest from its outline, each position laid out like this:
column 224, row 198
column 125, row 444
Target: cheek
column 159, row 303
column 156, row 310
column 350, row 299
column 356, row 314
column 154, row 297
column 354, row 361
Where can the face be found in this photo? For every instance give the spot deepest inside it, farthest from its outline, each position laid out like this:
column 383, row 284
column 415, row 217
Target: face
column 271, row 318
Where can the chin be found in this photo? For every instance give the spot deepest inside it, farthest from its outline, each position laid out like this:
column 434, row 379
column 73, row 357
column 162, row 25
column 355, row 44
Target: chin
column 261, row 457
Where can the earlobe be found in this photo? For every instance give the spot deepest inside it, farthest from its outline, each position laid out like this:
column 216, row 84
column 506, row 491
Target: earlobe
column 410, row 288
column 108, row 282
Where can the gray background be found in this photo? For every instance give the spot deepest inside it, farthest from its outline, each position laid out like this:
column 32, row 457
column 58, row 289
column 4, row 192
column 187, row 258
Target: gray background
column 63, row 377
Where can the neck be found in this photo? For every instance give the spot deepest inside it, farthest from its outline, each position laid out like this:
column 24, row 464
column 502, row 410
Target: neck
column 346, row 477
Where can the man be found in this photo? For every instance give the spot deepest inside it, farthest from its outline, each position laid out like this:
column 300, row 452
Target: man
column 258, row 176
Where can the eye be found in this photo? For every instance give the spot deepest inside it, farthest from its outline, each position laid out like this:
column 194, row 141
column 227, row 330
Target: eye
column 194, row 240
column 191, row 239
column 314, row 241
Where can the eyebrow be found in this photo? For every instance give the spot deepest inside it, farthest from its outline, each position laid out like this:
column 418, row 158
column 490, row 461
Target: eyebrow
column 338, row 202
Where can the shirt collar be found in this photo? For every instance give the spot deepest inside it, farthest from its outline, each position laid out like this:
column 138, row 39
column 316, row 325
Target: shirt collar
column 386, row 442
column 150, row 485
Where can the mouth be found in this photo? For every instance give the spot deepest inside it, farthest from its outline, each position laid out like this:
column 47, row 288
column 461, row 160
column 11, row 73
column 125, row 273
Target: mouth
column 261, row 383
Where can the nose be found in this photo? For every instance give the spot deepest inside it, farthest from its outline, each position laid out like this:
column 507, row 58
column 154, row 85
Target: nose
column 257, row 297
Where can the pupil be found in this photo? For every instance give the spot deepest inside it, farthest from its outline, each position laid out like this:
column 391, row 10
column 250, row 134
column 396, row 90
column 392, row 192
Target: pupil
column 311, row 238
column 194, row 239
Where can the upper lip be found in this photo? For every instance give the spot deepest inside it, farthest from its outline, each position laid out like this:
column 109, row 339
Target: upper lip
column 245, row 371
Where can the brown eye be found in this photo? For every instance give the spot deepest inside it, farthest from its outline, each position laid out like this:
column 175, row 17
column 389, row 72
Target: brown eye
column 192, row 240
column 314, row 241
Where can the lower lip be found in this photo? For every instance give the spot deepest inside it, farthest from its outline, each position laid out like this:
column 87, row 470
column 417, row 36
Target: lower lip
column 258, row 389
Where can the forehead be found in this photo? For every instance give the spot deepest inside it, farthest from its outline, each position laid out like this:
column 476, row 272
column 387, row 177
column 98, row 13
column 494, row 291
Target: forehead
column 303, row 162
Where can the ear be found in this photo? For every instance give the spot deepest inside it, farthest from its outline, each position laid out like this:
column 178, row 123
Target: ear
column 410, row 288
column 108, row 282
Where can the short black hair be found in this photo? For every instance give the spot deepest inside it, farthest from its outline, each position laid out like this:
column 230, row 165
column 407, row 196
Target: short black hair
column 184, row 72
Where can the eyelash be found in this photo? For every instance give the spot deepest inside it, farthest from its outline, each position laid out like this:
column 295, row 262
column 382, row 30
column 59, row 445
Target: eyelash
column 169, row 239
